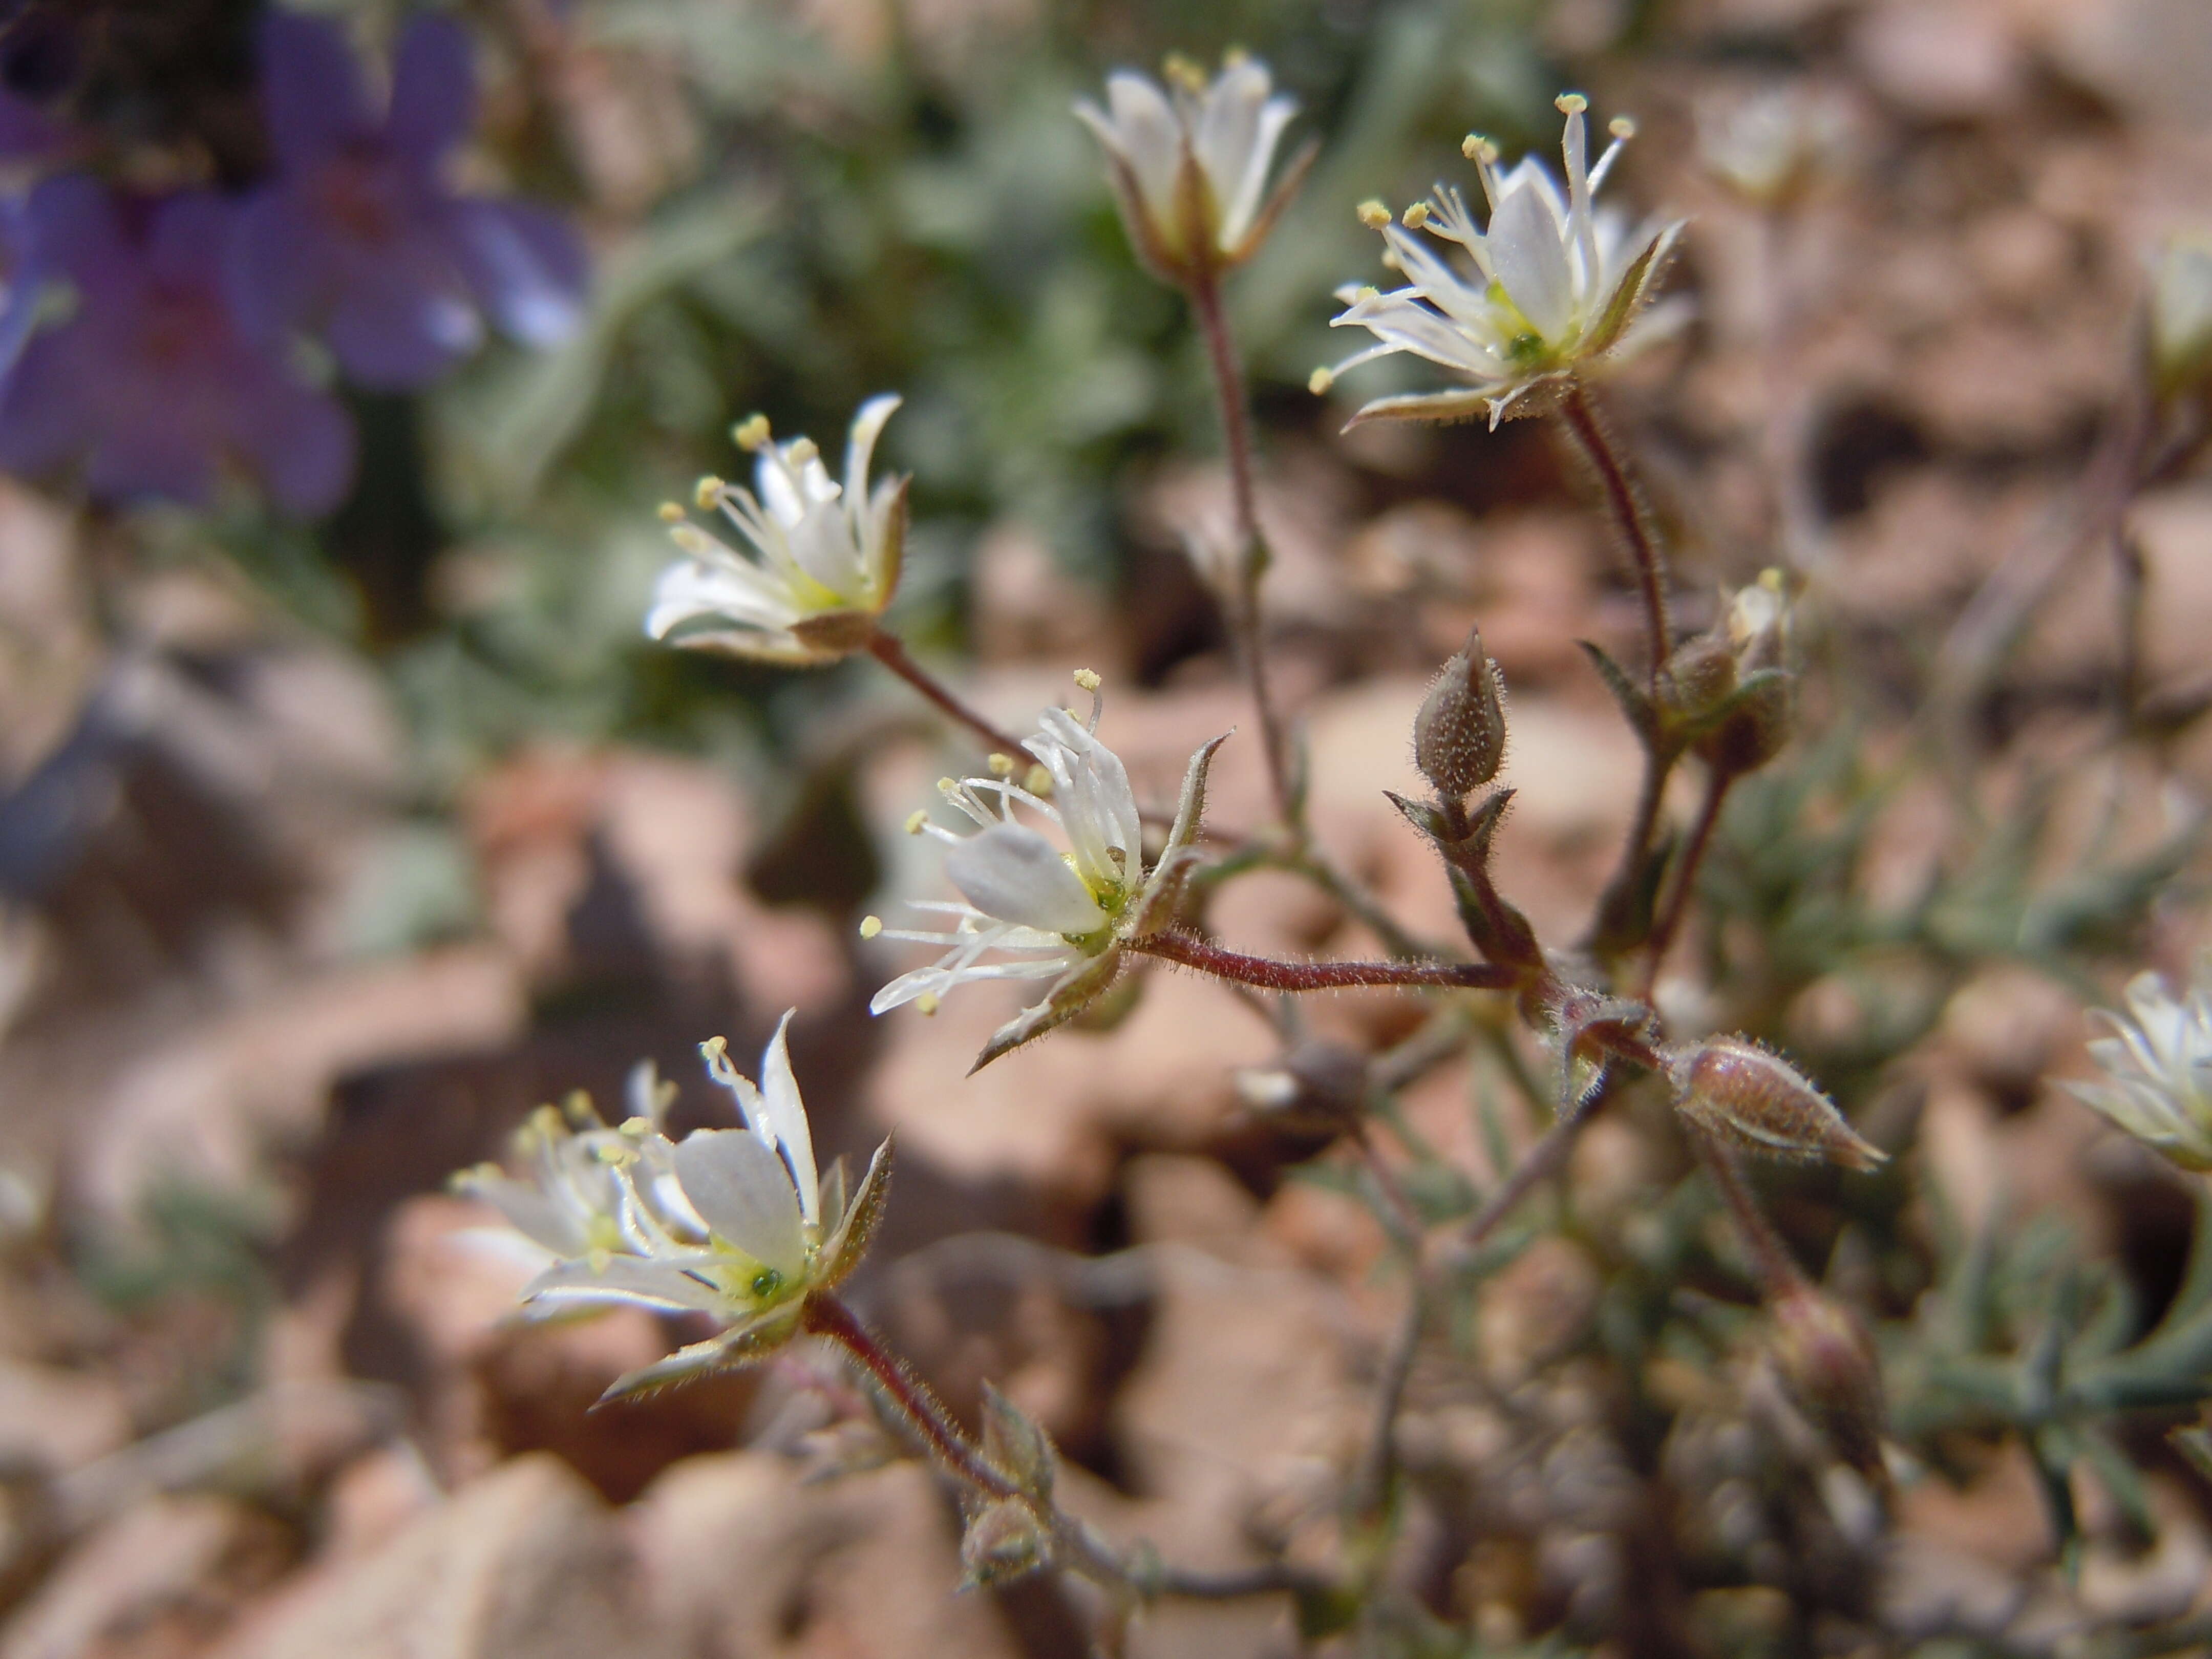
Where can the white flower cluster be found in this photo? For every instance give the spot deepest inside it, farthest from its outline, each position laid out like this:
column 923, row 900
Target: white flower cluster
column 825, row 557
column 2158, row 1068
column 1034, row 908
column 731, row 1222
column 1555, row 281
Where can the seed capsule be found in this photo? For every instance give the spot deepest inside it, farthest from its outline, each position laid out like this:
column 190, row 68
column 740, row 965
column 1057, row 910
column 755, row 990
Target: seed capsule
column 1829, row 1364
column 1459, row 736
column 1732, row 1088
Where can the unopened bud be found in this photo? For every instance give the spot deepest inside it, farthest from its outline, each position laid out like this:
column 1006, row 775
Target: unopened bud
column 1736, row 1091
column 1829, row 1364
column 1003, row 1541
column 1700, row 676
column 1758, row 624
column 1459, row 736
column 2181, row 315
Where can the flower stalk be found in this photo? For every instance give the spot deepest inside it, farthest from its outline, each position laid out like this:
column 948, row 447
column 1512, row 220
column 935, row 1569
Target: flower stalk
column 1188, row 951
column 1250, row 563
column 887, row 648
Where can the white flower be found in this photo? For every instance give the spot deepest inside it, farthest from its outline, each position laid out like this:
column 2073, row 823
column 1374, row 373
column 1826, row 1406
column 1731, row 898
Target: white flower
column 1037, row 907
column 735, row 1224
column 2158, row 1069
column 1774, row 145
column 823, row 559
column 1555, row 282
column 1189, row 163
column 2181, row 312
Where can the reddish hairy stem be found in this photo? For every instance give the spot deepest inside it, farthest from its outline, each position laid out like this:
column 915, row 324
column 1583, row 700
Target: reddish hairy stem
column 1273, row 976
column 1778, row 1270
column 1205, row 295
column 924, row 1413
column 1685, row 878
column 890, row 650
column 1625, row 501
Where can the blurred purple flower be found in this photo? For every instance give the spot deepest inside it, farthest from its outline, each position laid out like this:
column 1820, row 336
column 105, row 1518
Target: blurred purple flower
column 357, row 233
column 149, row 381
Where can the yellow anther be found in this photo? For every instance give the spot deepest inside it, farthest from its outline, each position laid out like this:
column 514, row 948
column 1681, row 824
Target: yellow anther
column 1622, row 126
column 1476, row 148
column 1320, row 380
column 1039, row 781
column 802, row 450
column 1088, row 680
column 692, row 539
column 1415, row 215
column 671, row 512
column 927, row 1002
column 1374, row 213
column 708, row 491
column 870, row 925
column 915, row 820
column 752, row 432
column 1571, row 103
column 1183, row 72
column 1002, row 766
column 1369, row 291
column 948, row 786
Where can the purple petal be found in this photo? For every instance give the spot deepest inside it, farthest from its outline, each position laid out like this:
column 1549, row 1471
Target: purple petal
column 527, row 266
column 153, row 453
column 311, row 89
column 44, row 414
column 433, row 92
column 74, row 222
column 189, row 240
column 402, row 318
column 276, row 264
column 301, row 443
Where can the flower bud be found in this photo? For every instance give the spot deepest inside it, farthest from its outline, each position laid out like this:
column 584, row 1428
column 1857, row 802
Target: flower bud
column 1829, row 1364
column 1736, row 1091
column 1003, row 1541
column 2181, row 315
column 1748, row 726
column 1459, row 736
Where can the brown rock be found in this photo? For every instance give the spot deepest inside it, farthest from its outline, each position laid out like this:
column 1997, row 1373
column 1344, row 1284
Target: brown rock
column 526, row 1561
column 738, row 1558
column 157, row 1580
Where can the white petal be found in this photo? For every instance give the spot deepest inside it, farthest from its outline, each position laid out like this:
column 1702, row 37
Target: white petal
column 622, row 1278
column 784, row 1116
column 1014, row 873
column 1526, row 253
column 1228, row 130
column 860, row 443
column 1149, row 136
column 745, row 1194
column 745, row 595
